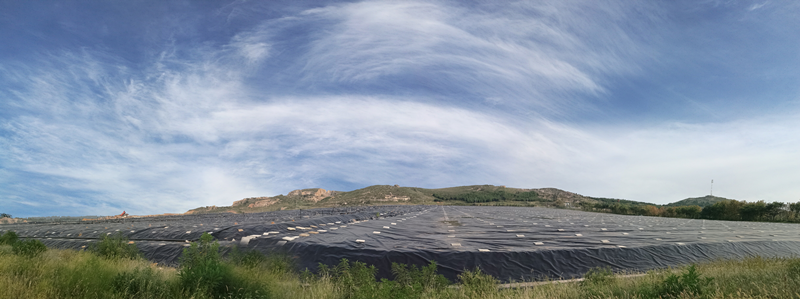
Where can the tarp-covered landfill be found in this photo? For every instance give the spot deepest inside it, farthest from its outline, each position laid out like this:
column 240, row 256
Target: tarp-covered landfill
column 510, row 243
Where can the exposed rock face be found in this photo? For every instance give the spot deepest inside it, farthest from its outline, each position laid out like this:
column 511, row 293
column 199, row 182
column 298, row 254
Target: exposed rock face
column 314, row 195
column 9, row 220
column 248, row 200
column 255, row 202
column 556, row 194
column 263, row 203
column 391, row 197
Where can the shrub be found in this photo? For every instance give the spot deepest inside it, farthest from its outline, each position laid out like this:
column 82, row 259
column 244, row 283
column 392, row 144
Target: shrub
column 28, row 248
column 115, row 247
column 419, row 279
column 354, row 279
column 689, row 282
column 9, row 238
column 4, row 215
column 202, row 269
column 478, row 283
column 599, row 275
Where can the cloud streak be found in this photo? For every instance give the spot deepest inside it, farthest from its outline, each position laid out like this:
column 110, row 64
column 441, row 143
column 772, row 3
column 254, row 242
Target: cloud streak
column 520, row 53
column 343, row 96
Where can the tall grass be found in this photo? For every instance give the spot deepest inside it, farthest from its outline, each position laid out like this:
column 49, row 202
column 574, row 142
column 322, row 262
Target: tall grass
column 204, row 274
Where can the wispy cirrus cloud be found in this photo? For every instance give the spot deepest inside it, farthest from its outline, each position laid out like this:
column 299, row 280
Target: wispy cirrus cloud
column 521, row 55
column 342, row 96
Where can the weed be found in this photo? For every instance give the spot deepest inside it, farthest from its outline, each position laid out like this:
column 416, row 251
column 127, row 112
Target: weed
column 202, row 269
column 115, row 247
column 279, row 263
column 793, row 268
column 598, row 276
column 478, row 283
column 248, row 259
column 419, row 279
column 139, row 283
column 87, row 276
column 689, row 282
column 9, row 238
column 355, row 279
column 28, row 248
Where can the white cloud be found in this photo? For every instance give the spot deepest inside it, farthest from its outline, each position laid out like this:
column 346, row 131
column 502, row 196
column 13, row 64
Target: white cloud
column 251, row 46
column 526, row 53
column 193, row 143
column 185, row 133
column 748, row 159
column 756, row 6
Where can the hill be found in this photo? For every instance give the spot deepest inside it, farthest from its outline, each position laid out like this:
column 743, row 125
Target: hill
column 387, row 194
column 697, row 201
column 622, row 201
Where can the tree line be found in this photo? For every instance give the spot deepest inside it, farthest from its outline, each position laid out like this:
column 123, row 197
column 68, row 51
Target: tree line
column 728, row 209
column 488, row 196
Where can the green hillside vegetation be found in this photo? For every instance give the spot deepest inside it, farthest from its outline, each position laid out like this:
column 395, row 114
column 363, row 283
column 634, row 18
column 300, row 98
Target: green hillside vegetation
column 724, row 209
column 388, row 194
column 698, row 201
column 706, row 207
column 378, row 194
column 621, row 201
column 486, row 194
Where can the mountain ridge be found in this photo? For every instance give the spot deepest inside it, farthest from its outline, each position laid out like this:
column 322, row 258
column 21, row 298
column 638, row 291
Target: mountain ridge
column 395, row 194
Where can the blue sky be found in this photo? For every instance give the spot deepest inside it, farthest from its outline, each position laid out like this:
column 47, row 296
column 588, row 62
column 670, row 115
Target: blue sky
column 163, row 106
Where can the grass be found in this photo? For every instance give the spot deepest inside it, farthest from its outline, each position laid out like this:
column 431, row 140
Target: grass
column 204, row 274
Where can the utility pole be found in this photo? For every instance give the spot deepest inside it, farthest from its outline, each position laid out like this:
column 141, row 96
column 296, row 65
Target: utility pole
column 712, row 187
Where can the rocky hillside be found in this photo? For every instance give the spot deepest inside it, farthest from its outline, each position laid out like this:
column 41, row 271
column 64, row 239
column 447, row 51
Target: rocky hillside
column 387, row 194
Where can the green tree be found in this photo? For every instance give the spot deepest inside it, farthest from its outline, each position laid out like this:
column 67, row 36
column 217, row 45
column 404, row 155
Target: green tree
column 688, row 211
column 28, row 248
column 795, row 207
column 723, row 210
column 9, row 238
column 774, row 209
column 714, row 211
column 753, row 211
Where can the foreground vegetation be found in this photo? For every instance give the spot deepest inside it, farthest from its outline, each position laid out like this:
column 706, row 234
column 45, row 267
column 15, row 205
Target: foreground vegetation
column 114, row 269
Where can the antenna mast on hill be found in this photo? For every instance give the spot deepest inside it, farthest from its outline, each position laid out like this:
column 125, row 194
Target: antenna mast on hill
column 712, row 187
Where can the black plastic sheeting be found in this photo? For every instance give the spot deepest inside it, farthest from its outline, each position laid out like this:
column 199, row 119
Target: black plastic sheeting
column 510, row 243
column 514, row 243
column 162, row 239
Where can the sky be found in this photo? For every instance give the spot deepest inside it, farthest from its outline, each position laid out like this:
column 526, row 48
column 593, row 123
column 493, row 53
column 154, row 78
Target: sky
column 163, row 106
